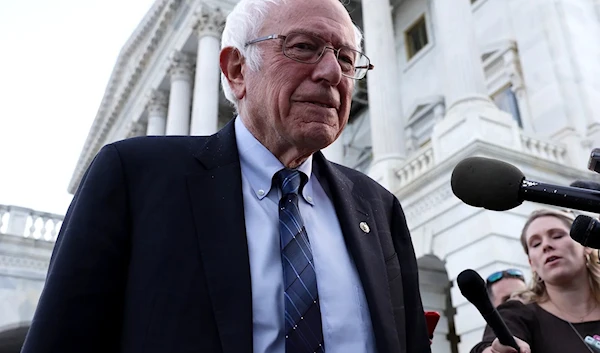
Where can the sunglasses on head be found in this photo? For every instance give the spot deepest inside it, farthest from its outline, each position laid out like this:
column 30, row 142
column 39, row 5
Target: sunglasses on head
column 510, row 273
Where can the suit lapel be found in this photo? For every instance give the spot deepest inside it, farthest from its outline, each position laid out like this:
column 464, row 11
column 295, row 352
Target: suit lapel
column 365, row 248
column 217, row 206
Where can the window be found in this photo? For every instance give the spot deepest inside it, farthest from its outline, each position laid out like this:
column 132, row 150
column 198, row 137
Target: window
column 415, row 37
column 506, row 101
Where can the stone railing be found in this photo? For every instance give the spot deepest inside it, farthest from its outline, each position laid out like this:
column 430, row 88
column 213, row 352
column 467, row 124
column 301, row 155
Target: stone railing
column 415, row 166
column 29, row 223
column 551, row 151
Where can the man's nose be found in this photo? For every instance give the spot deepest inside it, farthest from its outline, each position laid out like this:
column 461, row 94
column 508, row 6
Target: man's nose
column 328, row 68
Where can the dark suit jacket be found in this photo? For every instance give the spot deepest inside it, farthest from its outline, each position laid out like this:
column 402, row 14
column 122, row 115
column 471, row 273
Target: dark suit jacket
column 152, row 254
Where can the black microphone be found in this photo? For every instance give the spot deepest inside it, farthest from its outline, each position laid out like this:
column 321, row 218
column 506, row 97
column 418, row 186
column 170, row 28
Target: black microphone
column 472, row 287
column 586, row 231
column 499, row 186
column 586, row 184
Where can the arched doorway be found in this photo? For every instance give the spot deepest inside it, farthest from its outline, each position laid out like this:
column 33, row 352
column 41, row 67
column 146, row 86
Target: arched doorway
column 435, row 294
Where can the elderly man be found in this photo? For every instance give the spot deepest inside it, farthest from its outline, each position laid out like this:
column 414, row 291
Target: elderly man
column 247, row 240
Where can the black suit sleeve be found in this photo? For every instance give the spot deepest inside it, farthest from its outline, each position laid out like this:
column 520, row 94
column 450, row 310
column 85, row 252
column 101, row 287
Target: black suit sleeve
column 80, row 309
column 417, row 339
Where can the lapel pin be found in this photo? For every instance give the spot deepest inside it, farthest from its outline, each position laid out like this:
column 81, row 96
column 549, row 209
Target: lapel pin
column 364, row 227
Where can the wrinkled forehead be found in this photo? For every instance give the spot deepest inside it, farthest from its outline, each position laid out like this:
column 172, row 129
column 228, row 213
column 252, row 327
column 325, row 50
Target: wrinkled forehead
column 327, row 19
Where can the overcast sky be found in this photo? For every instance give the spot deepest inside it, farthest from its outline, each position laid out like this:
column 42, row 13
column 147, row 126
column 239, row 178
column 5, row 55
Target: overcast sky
column 56, row 59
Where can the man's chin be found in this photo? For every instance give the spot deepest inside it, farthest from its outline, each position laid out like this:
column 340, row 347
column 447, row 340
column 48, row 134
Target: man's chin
column 316, row 142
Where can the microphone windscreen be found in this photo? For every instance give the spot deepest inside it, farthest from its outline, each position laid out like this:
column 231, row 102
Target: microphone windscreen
column 585, row 231
column 472, row 287
column 487, row 183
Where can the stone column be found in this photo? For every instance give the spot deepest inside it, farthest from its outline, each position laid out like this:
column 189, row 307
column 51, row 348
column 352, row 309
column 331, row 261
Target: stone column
column 470, row 114
column 385, row 108
column 157, row 113
column 181, row 70
column 205, row 110
column 335, row 151
column 462, row 69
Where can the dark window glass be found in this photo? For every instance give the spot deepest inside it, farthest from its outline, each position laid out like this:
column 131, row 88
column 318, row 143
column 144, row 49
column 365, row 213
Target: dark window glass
column 506, row 100
column 416, row 37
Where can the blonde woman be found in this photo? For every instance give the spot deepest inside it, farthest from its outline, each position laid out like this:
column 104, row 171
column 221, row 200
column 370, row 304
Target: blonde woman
column 562, row 304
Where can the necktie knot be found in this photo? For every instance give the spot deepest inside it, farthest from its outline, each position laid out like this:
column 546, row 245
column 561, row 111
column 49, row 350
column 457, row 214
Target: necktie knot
column 289, row 181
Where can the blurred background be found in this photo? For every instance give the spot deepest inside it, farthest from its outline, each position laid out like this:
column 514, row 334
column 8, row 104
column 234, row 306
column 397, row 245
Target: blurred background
column 508, row 79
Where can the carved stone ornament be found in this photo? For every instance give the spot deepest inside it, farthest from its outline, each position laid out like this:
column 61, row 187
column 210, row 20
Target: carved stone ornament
column 209, row 21
column 411, row 141
column 513, row 68
column 157, row 103
column 15, row 262
column 181, row 66
column 135, row 128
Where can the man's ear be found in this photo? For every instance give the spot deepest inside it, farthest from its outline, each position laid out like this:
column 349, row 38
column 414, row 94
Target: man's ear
column 232, row 64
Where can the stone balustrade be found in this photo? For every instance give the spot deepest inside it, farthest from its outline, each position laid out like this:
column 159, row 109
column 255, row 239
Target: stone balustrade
column 415, row 166
column 29, row 223
column 547, row 150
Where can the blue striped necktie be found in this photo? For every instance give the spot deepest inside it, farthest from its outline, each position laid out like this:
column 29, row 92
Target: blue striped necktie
column 303, row 329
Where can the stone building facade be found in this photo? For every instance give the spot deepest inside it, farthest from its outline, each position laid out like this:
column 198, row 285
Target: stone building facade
column 508, row 79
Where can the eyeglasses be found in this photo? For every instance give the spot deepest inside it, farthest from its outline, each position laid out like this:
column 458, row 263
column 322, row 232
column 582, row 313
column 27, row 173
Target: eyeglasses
column 510, row 273
column 309, row 49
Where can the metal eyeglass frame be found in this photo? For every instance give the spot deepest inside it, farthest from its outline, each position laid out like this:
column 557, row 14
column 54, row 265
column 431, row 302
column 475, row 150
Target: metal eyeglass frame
column 335, row 51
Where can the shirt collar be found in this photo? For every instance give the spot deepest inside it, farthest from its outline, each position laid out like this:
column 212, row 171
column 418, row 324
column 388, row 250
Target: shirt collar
column 259, row 165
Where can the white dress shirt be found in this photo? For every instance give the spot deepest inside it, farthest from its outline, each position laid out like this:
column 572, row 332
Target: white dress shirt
column 344, row 311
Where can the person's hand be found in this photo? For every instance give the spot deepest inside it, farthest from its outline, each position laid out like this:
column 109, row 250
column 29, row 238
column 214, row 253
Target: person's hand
column 498, row 347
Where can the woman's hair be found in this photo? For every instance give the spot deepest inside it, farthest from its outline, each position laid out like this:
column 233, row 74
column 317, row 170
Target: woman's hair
column 243, row 25
column 536, row 291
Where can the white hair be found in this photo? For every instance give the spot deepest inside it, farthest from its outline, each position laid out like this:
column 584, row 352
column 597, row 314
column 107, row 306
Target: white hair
column 243, row 25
